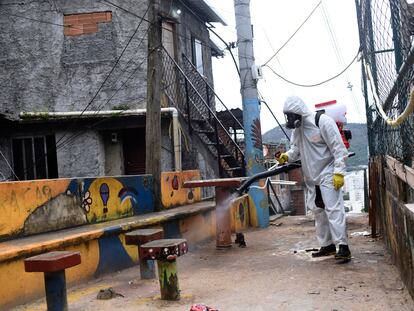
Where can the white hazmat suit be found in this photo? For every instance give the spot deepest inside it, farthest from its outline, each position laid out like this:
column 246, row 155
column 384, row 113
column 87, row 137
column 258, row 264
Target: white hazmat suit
column 322, row 154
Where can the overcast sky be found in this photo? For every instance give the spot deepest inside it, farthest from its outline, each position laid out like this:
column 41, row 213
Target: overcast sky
column 309, row 57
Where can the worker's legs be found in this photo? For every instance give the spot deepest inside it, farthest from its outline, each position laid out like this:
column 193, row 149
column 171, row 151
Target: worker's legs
column 323, row 232
column 335, row 214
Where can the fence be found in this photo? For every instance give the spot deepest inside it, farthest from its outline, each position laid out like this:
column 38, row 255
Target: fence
column 386, row 32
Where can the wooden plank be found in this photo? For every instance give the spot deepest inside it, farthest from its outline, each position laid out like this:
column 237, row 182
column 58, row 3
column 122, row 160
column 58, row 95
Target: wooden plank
column 404, row 172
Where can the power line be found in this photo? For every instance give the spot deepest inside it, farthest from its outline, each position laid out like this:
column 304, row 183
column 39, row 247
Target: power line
column 277, row 121
column 164, row 28
column 111, row 71
column 287, row 41
column 338, row 53
column 39, row 21
column 70, row 138
column 8, row 164
column 319, row 83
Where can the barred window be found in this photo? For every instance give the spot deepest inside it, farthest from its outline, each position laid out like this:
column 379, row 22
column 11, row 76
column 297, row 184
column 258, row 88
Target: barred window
column 35, row 157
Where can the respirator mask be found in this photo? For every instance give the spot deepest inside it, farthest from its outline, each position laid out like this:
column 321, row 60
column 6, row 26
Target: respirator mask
column 293, row 120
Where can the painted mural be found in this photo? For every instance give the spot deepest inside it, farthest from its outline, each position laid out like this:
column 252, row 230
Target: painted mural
column 239, row 209
column 30, row 207
column 105, row 252
column 173, row 193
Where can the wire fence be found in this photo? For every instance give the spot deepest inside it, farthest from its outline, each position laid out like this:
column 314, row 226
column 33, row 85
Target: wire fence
column 386, row 32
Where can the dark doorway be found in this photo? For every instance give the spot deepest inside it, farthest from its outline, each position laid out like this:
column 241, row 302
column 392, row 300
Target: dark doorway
column 134, row 151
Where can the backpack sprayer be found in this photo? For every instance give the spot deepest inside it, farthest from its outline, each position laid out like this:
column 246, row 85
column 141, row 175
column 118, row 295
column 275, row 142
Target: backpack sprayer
column 337, row 112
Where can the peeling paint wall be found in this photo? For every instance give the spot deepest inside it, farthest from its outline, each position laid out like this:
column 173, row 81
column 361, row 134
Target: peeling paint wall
column 31, row 207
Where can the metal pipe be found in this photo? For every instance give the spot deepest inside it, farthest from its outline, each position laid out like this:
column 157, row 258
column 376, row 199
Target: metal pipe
column 276, row 171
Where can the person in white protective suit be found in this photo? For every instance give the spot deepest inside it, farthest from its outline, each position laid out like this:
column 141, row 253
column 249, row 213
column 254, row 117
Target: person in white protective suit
column 322, row 153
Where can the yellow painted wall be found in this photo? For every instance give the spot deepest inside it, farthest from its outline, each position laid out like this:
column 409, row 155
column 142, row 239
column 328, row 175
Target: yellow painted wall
column 23, row 286
column 239, row 209
column 19, row 199
column 173, row 193
column 115, row 207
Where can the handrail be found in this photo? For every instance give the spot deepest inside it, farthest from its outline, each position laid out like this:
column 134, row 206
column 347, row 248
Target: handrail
column 202, row 100
column 211, row 88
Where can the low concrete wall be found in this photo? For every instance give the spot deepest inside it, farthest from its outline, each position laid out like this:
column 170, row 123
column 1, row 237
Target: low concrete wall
column 102, row 251
column 172, row 191
column 396, row 220
column 31, row 207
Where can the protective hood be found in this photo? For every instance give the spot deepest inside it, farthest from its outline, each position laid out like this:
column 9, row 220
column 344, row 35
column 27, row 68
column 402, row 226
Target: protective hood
column 294, row 104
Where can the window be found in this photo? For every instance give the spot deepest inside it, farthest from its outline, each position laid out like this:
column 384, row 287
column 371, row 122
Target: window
column 197, row 50
column 35, row 157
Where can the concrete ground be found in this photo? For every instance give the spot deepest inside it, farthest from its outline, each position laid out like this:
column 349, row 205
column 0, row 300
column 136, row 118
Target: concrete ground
column 274, row 272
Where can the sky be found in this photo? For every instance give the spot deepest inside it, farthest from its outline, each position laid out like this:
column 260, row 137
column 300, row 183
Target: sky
column 308, row 58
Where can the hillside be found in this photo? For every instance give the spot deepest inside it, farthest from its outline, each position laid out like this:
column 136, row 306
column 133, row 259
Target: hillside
column 359, row 142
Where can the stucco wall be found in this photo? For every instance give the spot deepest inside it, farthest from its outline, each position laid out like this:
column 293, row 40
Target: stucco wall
column 43, row 70
column 84, row 156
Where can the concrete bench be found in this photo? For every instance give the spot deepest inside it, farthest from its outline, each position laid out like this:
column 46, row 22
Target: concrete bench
column 53, row 265
column 102, row 247
column 166, row 252
column 139, row 237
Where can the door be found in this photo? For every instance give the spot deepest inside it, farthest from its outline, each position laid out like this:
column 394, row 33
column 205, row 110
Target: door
column 134, row 151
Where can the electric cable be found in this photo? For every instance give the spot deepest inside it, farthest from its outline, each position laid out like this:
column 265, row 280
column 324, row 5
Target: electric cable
column 8, row 164
column 215, row 33
column 319, row 83
column 287, row 41
column 76, row 135
column 61, row 142
column 110, row 72
column 334, row 43
column 164, row 28
column 268, row 107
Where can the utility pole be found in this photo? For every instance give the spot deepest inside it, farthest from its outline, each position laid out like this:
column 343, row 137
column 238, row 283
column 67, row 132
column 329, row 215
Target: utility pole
column 153, row 117
column 251, row 110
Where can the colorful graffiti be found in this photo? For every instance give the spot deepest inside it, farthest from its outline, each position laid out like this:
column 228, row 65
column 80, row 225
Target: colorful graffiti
column 173, row 194
column 239, row 209
column 31, row 207
column 106, row 252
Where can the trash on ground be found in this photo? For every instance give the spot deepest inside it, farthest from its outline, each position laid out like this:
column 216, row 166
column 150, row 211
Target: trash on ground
column 201, row 307
column 108, row 293
column 361, row 233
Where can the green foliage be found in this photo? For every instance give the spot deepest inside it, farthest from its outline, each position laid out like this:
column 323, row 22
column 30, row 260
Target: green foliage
column 121, row 107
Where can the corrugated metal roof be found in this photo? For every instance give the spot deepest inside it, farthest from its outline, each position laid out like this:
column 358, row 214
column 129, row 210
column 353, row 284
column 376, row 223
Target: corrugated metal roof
column 205, row 11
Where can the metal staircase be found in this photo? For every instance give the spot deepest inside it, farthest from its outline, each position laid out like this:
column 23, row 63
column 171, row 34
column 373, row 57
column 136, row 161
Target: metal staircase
column 187, row 90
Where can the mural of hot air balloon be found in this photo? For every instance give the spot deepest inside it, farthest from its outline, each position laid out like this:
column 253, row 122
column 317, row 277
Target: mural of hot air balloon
column 104, row 192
